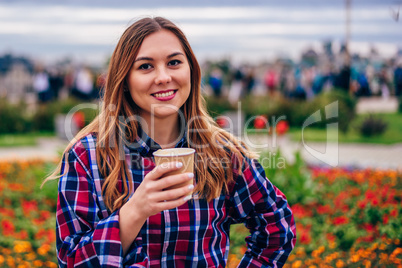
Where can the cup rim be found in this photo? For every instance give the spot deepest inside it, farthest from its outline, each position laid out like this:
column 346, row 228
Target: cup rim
column 185, row 151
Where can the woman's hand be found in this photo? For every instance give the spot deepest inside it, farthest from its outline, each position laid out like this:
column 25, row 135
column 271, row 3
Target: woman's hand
column 159, row 192
column 156, row 193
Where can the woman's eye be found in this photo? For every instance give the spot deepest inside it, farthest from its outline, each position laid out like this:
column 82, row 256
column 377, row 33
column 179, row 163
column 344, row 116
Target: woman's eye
column 174, row 62
column 145, row 66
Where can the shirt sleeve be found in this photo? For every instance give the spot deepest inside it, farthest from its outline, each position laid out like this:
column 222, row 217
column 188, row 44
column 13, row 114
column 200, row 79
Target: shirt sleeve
column 84, row 238
column 265, row 212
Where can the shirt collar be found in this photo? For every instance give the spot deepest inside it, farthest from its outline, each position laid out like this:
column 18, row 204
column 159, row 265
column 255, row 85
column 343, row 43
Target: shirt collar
column 146, row 146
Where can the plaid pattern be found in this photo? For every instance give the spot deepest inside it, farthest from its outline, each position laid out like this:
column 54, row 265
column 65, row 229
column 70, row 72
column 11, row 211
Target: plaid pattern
column 195, row 234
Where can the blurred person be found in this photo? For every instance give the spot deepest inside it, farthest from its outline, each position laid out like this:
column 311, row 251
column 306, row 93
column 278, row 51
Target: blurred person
column 383, row 81
column 56, row 82
column 215, row 81
column 398, row 78
column 249, row 80
column 115, row 208
column 236, row 85
column 289, row 83
column 306, row 81
column 41, row 85
column 83, row 84
column 363, row 89
column 271, row 80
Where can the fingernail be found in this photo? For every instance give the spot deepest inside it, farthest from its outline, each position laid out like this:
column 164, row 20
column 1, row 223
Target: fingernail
column 190, row 175
column 179, row 164
column 191, row 187
column 187, row 197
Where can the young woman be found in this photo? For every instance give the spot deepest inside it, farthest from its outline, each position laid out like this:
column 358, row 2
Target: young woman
column 116, row 209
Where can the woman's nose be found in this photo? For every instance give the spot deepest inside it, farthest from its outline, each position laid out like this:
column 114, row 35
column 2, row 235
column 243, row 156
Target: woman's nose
column 162, row 76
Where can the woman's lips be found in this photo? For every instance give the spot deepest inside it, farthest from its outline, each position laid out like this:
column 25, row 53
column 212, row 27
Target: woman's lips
column 165, row 95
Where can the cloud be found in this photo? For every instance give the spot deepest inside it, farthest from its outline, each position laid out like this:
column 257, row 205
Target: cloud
column 236, row 28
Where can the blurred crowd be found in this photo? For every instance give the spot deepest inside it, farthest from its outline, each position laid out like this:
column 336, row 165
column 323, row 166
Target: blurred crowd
column 313, row 74
column 80, row 82
column 34, row 83
column 22, row 79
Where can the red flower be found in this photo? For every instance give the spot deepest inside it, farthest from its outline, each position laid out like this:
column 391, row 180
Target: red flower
column 45, row 214
column 260, row 122
column 282, row 127
column 340, row 220
column 7, row 212
column 22, row 235
column 394, row 213
column 324, row 209
column 331, row 237
column 79, row 119
column 222, row 122
column 370, row 195
column 385, row 219
column 28, row 206
column 8, row 227
column 362, row 204
column 301, row 212
column 304, row 234
column 369, row 228
column 374, row 201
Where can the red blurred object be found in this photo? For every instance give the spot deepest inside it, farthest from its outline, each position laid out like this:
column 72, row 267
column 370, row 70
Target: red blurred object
column 260, row 122
column 79, row 119
column 222, row 122
column 282, row 127
column 340, row 220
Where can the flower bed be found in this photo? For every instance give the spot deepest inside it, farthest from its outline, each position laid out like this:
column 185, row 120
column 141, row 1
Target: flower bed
column 354, row 221
column 27, row 215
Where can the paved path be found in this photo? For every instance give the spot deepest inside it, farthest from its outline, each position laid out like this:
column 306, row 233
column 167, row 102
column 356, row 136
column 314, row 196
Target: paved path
column 351, row 155
column 318, row 153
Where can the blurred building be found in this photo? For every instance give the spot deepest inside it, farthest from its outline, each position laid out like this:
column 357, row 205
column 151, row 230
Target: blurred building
column 15, row 77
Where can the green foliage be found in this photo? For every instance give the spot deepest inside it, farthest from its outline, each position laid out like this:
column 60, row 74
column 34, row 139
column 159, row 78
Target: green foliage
column 372, row 126
column 294, row 179
column 400, row 104
column 13, row 118
column 346, row 108
column 16, row 119
column 217, row 106
column 296, row 111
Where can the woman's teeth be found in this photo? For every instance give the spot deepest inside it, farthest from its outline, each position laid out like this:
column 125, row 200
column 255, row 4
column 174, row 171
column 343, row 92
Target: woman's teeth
column 161, row 95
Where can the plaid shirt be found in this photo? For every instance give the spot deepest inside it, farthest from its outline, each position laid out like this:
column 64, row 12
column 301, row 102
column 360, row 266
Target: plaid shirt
column 195, row 234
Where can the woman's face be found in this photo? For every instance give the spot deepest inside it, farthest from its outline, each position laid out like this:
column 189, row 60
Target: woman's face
column 160, row 79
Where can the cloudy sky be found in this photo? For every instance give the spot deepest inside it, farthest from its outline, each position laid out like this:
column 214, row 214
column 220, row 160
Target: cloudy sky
column 251, row 30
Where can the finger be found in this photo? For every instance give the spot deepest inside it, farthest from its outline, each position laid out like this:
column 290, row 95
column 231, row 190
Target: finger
column 174, row 193
column 170, row 204
column 160, row 170
column 173, row 181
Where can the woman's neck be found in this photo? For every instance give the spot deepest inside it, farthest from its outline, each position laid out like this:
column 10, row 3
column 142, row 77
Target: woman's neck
column 164, row 131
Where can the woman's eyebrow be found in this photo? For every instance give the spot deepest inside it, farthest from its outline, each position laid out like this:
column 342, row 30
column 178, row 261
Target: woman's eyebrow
column 144, row 58
column 174, row 54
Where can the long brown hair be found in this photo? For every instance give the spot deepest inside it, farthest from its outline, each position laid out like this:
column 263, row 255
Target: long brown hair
column 213, row 145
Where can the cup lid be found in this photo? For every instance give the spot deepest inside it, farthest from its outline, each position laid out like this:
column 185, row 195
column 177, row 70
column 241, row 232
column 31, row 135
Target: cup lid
column 174, row 152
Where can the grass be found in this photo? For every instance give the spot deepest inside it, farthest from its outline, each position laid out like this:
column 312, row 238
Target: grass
column 392, row 135
column 22, row 139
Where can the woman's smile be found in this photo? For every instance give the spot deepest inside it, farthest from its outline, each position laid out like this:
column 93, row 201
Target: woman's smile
column 165, row 95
